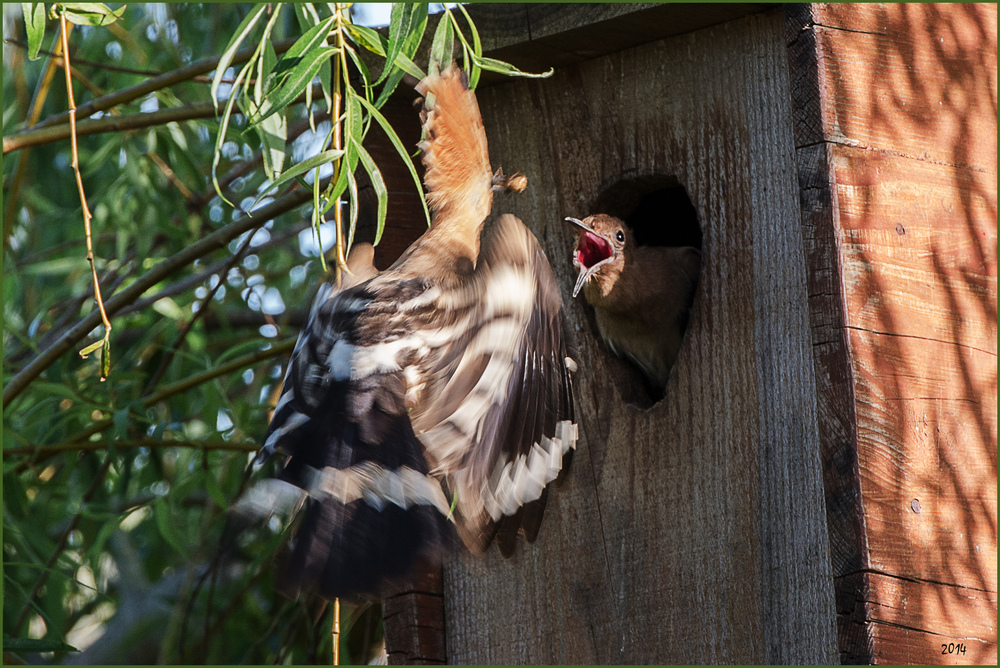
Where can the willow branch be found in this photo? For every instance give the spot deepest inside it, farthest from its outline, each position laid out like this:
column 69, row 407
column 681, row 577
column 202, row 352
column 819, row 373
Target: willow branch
column 171, row 176
column 202, row 310
column 46, row 451
column 238, row 363
column 340, row 163
column 107, row 67
column 215, row 241
column 157, row 83
column 188, row 282
column 47, row 135
column 41, row 453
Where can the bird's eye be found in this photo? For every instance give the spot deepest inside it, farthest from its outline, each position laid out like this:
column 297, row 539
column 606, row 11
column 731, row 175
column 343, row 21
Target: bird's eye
column 620, row 236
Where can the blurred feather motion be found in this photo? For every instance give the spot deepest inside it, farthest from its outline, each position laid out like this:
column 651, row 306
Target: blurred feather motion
column 641, row 294
column 436, row 392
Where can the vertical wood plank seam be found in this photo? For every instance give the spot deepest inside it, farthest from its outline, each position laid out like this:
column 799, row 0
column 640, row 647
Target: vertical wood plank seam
column 782, row 295
column 852, row 606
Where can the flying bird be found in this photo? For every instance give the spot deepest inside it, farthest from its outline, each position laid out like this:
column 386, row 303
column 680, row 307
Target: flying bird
column 435, row 393
column 641, row 294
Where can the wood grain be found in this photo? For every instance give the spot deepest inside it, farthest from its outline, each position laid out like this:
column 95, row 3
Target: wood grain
column 928, row 87
column 538, row 36
column 895, row 119
column 834, row 375
column 692, row 530
column 895, row 601
column 919, row 247
column 413, row 614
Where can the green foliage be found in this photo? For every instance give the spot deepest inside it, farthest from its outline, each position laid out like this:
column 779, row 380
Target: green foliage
column 118, row 540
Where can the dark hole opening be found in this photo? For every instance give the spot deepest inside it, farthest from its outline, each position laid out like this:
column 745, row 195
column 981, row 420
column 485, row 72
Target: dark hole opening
column 655, row 206
column 658, row 210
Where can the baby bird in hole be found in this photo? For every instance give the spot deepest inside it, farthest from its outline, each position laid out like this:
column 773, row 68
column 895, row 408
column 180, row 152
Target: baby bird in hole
column 641, row 294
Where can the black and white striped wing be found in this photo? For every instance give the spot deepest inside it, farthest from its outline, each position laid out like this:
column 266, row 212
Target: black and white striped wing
column 501, row 417
column 343, row 423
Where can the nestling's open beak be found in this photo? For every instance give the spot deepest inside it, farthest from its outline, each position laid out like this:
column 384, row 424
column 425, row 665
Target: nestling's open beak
column 592, row 252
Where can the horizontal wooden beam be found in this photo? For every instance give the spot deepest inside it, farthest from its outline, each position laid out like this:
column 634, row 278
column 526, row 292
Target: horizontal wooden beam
column 535, row 37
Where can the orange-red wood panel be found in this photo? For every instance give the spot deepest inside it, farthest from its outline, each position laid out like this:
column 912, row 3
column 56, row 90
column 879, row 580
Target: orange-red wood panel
column 903, row 286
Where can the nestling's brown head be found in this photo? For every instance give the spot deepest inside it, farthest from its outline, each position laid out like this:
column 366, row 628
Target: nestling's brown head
column 602, row 244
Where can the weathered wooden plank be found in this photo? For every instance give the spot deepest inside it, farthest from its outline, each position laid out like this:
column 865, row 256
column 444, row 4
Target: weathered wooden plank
column 919, row 247
column 791, row 492
column 536, row 37
column 961, row 628
column 834, row 378
column 968, row 26
column 899, row 214
column 807, row 79
column 927, row 447
column 413, row 616
column 928, row 87
column 887, row 619
column 899, row 601
column 658, row 548
column 855, row 629
column 899, row 645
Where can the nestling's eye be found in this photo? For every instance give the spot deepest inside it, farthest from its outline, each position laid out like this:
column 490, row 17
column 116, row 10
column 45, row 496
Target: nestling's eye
column 620, row 236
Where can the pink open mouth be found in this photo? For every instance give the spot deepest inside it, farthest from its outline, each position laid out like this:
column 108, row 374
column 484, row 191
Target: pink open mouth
column 591, row 249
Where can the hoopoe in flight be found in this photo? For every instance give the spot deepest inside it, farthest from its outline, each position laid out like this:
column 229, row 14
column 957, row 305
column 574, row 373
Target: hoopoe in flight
column 437, row 392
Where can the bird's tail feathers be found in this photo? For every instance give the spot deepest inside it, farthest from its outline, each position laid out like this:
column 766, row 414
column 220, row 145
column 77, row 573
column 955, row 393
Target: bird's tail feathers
column 370, row 510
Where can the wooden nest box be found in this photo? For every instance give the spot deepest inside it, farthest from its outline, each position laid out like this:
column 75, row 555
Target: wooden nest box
column 819, row 482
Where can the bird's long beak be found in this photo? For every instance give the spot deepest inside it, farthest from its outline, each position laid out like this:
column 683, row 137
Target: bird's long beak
column 592, row 252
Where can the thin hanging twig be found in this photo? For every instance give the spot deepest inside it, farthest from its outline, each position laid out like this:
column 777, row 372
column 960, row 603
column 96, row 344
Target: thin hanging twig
column 202, row 310
column 336, row 631
column 110, row 68
column 338, row 216
column 106, row 342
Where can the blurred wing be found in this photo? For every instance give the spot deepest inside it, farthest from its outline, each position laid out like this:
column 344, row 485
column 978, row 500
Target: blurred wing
column 343, row 423
column 502, row 416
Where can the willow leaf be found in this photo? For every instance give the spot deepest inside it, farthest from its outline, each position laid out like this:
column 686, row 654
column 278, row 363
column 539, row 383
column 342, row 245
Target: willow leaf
column 224, row 125
column 442, row 46
column 34, row 22
column 398, row 145
column 312, row 38
column 298, row 170
column 399, row 28
column 380, row 189
column 376, row 43
column 297, row 80
column 403, row 62
column 494, row 65
column 352, row 186
column 477, row 46
column 90, row 13
column 227, row 55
